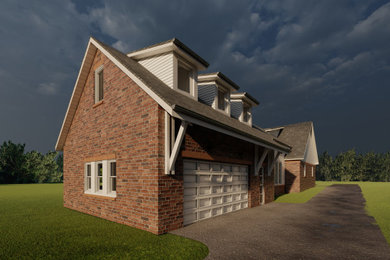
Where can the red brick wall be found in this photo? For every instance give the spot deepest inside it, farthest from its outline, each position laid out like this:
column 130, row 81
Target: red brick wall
column 279, row 190
column 269, row 186
column 309, row 181
column 292, row 176
column 128, row 125
column 295, row 180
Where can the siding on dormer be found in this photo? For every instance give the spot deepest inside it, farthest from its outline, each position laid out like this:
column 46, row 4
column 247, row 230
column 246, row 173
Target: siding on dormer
column 235, row 109
column 207, row 94
column 161, row 66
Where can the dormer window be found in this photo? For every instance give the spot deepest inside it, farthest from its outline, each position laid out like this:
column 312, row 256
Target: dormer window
column 183, row 79
column 242, row 104
column 221, row 100
column 246, row 114
column 214, row 90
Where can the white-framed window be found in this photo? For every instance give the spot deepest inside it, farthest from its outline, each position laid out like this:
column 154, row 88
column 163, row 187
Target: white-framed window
column 246, row 114
column 99, row 86
column 112, row 176
column 184, row 79
column 100, row 178
column 221, row 100
column 304, row 169
column 279, row 173
column 312, row 171
column 88, row 177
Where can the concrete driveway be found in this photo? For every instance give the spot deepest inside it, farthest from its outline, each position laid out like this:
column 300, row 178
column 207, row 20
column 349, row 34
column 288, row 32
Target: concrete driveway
column 332, row 225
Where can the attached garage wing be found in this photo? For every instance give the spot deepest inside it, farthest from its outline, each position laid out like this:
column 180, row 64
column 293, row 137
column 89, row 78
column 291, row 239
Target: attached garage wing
column 212, row 189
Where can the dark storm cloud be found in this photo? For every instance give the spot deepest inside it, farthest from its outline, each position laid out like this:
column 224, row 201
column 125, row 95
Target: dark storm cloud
column 326, row 61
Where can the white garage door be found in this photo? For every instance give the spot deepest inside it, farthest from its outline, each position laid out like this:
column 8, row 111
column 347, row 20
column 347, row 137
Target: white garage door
column 212, row 189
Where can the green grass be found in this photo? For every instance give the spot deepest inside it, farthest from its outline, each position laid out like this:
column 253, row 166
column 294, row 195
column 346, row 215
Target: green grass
column 376, row 194
column 35, row 225
column 302, row 197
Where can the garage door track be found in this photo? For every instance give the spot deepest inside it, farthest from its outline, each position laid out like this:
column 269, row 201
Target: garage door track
column 332, row 225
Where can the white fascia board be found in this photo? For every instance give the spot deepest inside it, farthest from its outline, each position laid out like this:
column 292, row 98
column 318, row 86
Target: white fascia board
column 272, row 129
column 215, row 78
column 225, row 131
column 139, row 82
column 311, row 155
column 167, row 47
column 57, row 148
column 151, row 51
column 243, row 98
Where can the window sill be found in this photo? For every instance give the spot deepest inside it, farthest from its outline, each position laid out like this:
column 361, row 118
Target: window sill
column 98, row 103
column 100, row 196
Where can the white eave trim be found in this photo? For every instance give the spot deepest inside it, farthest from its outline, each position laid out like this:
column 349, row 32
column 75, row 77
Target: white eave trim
column 167, row 47
column 225, row 131
column 71, row 104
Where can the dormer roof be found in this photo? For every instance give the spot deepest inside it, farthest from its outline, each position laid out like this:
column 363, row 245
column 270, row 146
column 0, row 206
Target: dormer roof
column 245, row 97
column 219, row 78
column 172, row 45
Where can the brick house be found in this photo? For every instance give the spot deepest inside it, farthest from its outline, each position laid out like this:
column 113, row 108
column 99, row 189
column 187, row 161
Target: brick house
column 300, row 163
column 150, row 142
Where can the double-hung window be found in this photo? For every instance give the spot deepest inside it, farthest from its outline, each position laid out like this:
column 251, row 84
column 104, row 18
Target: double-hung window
column 100, row 178
column 279, row 173
column 88, row 177
column 112, row 176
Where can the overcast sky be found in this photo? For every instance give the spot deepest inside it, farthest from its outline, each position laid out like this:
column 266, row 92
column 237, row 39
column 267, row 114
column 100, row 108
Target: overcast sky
column 324, row 61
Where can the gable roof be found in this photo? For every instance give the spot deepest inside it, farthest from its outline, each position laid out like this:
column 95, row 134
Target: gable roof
column 296, row 135
column 172, row 101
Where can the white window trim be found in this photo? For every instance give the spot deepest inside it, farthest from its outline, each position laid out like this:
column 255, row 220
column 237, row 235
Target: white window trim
column 279, row 172
column 193, row 77
column 312, row 171
column 94, row 179
column 304, row 169
column 226, row 92
column 97, row 71
column 86, row 178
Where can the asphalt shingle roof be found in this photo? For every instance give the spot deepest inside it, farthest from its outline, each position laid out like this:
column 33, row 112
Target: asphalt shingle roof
column 296, row 135
column 183, row 104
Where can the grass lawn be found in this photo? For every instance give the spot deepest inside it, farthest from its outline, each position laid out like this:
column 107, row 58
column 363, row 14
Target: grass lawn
column 377, row 195
column 34, row 224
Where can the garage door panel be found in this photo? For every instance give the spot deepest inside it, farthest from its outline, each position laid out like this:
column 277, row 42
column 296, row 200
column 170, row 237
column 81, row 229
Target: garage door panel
column 212, row 189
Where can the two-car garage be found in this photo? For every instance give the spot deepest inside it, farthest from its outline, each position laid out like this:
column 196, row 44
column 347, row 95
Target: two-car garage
column 212, row 189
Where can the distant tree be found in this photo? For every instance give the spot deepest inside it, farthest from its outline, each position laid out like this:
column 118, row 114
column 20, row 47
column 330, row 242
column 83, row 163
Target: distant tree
column 324, row 167
column 60, row 163
column 351, row 166
column 44, row 168
column 12, row 159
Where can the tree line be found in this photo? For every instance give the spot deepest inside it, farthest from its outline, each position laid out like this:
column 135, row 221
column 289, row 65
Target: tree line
column 18, row 166
column 353, row 166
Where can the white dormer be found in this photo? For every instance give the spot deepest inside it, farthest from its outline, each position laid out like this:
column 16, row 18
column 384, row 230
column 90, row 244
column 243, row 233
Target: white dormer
column 214, row 90
column 242, row 104
column 174, row 64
